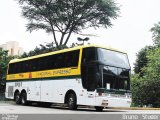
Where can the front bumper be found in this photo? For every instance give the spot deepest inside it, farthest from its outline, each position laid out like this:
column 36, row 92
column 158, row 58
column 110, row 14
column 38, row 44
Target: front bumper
column 109, row 101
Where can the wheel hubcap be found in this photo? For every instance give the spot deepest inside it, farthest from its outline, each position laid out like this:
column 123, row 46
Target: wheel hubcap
column 23, row 101
column 71, row 101
column 17, row 98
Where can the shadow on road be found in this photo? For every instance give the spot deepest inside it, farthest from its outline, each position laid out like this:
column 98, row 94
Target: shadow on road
column 80, row 108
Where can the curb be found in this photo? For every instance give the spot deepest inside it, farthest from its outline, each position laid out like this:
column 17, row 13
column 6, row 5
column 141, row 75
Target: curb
column 134, row 108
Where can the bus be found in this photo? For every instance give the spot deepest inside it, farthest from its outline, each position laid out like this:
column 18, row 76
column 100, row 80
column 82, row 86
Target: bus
column 88, row 75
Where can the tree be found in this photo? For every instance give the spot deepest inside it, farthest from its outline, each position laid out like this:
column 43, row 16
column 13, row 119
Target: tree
column 146, row 81
column 136, row 89
column 156, row 34
column 68, row 16
column 141, row 60
column 146, row 89
column 3, row 65
column 4, row 60
column 48, row 47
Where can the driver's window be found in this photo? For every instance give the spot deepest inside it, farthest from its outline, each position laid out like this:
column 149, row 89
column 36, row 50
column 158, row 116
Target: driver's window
column 89, row 54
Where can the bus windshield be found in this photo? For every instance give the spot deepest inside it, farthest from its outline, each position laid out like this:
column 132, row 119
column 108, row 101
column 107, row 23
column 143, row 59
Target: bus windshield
column 103, row 68
column 113, row 58
column 115, row 78
column 115, row 70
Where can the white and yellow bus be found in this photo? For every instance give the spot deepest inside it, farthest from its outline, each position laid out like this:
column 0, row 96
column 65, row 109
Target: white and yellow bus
column 87, row 75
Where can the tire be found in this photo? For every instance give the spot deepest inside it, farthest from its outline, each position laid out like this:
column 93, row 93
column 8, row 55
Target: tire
column 24, row 99
column 72, row 101
column 99, row 109
column 17, row 98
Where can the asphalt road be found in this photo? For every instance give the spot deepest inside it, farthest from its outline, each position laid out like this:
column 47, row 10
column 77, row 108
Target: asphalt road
column 12, row 108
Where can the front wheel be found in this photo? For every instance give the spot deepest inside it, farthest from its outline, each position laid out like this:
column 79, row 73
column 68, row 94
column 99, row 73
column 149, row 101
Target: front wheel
column 72, row 101
column 99, row 109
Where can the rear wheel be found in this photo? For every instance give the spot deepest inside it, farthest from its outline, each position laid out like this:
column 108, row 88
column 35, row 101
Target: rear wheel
column 17, row 98
column 72, row 101
column 99, row 109
column 24, row 99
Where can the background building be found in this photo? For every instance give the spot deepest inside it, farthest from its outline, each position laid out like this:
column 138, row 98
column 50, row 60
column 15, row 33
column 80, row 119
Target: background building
column 13, row 48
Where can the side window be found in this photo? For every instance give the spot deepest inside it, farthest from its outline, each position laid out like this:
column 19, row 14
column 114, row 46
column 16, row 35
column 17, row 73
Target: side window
column 22, row 66
column 89, row 54
column 33, row 64
column 43, row 63
column 11, row 68
column 17, row 67
column 72, row 58
column 75, row 57
column 68, row 59
column 58, row 61
column 27, row 66
column 49, row 62
column 55, row 61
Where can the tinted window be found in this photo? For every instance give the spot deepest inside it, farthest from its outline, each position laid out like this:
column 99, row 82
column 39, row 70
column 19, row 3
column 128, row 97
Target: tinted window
column 89, row 69
column 62, row 60
column 117, row 78
column 89, row 54
column 113, row 58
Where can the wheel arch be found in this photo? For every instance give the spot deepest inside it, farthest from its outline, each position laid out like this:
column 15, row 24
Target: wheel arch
column 23, row 91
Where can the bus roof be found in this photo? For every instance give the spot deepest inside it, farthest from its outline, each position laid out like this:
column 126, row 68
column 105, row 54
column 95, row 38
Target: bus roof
column 64, row 50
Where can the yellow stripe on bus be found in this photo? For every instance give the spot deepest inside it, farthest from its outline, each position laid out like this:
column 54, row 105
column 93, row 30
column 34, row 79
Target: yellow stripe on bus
column 45, row 74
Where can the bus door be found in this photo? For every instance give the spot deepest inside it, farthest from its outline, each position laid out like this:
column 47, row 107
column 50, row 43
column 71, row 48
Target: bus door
column 89, row 73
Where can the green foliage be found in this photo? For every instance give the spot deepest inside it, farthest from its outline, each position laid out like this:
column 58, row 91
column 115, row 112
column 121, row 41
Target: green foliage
column 4, row 60
column 135, row 88
column 3, row 63
column 146, row 88
column 152, row 70
column 68, row 16
column 146, row 81
column 156, row 34
column 142, row 60
column 49, row 47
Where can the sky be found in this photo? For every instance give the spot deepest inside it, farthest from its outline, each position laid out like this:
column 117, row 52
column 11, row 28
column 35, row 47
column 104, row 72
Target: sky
column 130, row 32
